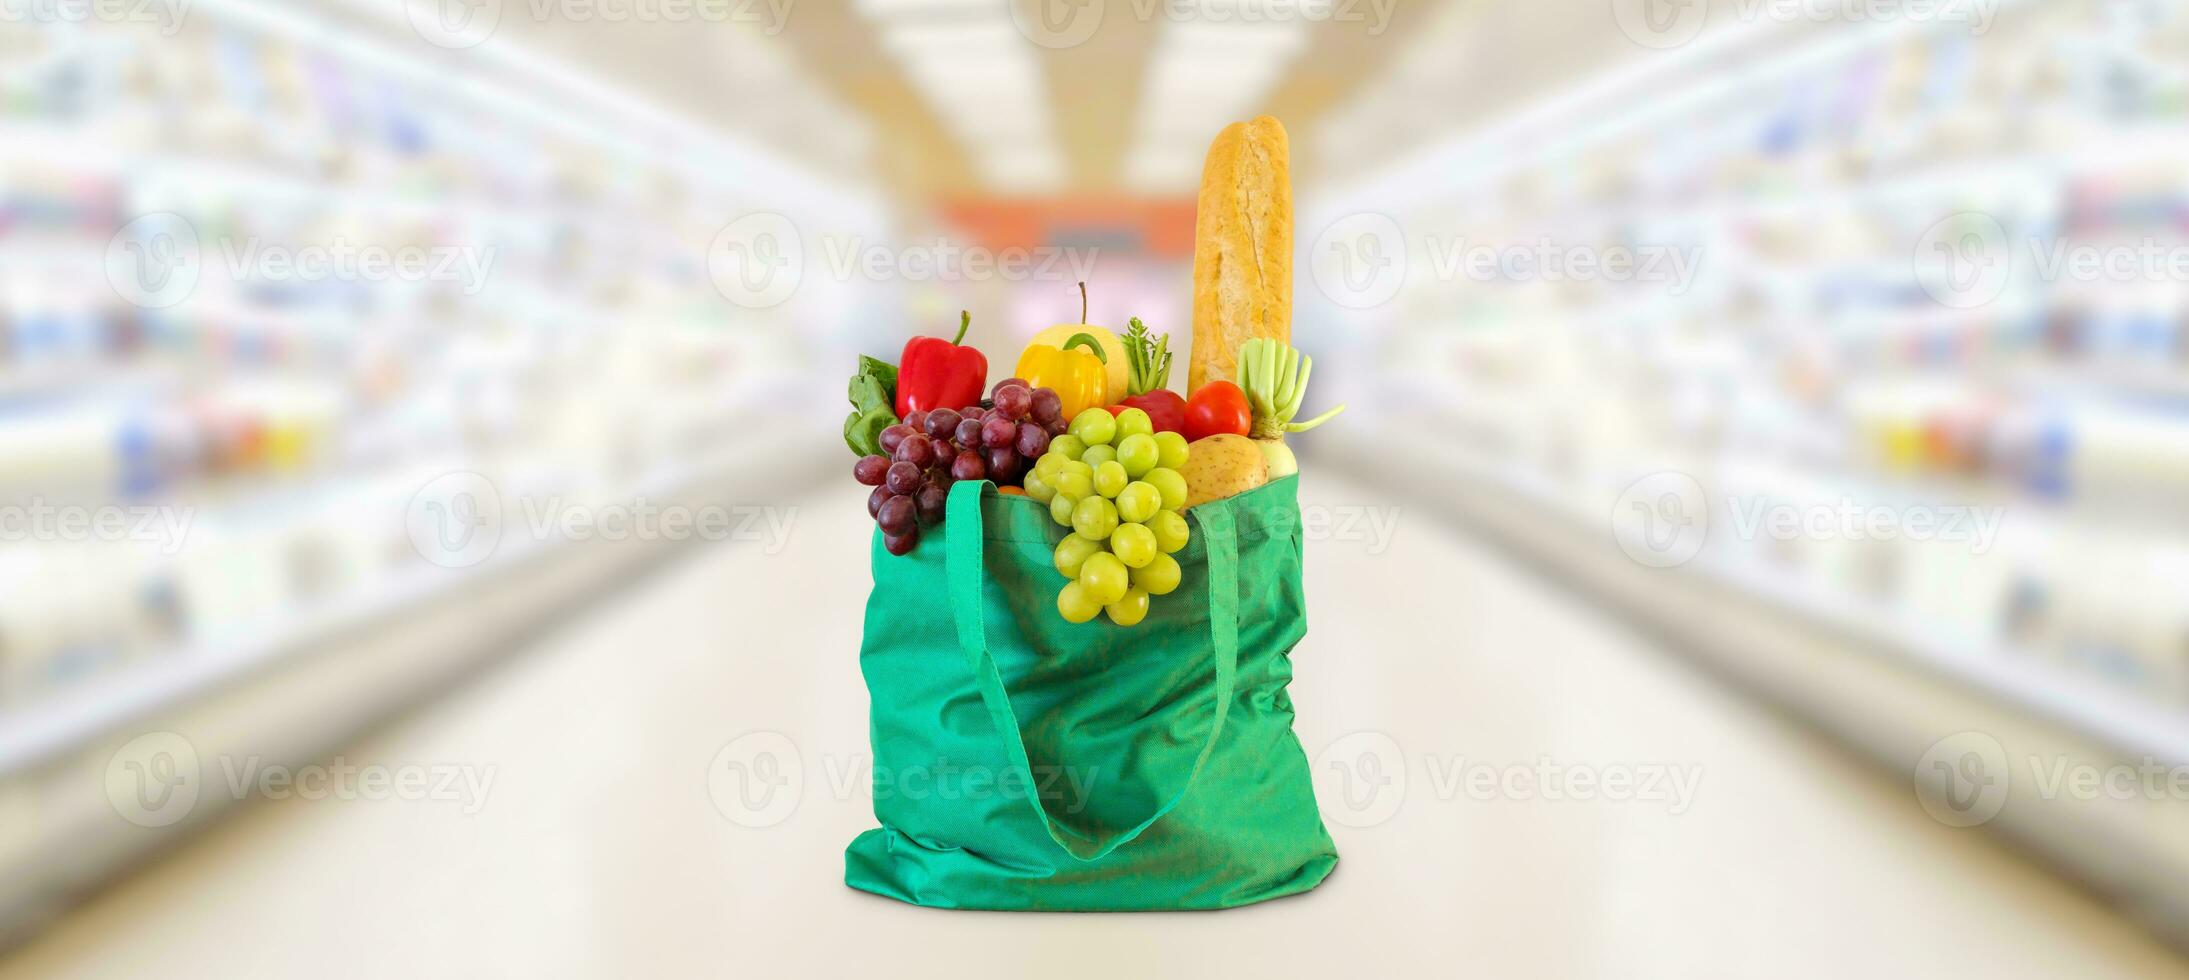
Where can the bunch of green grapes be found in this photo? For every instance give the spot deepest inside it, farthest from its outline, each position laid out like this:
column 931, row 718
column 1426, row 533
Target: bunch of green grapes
column 1115, row 482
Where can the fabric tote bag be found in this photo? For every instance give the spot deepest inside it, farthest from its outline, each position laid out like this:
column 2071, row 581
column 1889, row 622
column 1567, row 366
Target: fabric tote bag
column 1025, row 762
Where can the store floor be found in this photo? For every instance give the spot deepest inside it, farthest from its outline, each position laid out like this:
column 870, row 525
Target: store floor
column 599, row 850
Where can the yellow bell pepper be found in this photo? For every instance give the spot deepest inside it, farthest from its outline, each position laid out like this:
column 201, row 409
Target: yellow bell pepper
column 1079, row 377
column 1113, row 350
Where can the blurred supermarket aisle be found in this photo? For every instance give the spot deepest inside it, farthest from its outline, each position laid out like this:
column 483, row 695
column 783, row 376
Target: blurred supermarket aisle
column 596, row 849
column 1850, row 351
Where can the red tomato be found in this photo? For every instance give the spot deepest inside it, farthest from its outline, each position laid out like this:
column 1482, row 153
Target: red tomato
column 1217, row 408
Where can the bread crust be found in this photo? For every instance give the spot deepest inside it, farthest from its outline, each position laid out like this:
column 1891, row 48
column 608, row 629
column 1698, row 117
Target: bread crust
column 1242, row 249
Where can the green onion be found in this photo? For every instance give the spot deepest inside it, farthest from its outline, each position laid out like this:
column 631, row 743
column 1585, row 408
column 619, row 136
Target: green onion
column 1274, row 377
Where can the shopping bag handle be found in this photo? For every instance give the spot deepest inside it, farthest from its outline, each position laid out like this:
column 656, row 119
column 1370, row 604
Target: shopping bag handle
column 964, row 568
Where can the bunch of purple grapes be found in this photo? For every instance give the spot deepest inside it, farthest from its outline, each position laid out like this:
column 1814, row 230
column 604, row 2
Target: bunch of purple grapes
column 929, row 451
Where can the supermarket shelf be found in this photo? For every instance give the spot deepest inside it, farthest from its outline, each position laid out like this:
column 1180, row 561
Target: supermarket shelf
column 1878, row 686
column 43, row 732
column 2133, row 727
column 301, row 692
column 37, row 735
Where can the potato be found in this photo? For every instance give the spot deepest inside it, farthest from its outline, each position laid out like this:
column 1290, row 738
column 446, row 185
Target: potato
column 1222, row 466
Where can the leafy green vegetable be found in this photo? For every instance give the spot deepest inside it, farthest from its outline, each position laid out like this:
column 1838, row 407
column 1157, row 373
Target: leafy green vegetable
column 1150, row 359
column 880, row 370
column 873, row 399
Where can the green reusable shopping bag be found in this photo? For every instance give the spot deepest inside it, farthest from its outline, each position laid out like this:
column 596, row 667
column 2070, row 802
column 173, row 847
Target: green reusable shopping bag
column 1024, row 762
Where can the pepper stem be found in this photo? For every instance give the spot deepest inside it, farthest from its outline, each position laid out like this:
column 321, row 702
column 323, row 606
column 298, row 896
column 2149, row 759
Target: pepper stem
column 965, row 322
column 1091, row 344
column 1082, row 302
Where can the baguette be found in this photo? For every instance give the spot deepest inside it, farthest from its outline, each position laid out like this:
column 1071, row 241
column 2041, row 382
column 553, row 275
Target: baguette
column 1242, row 248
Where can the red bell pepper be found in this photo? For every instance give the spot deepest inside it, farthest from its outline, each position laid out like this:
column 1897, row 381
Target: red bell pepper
column 936, row 373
